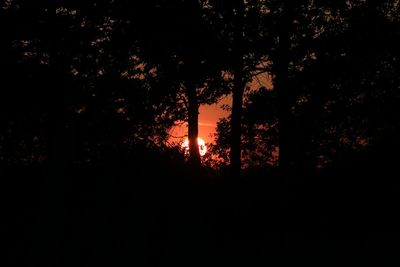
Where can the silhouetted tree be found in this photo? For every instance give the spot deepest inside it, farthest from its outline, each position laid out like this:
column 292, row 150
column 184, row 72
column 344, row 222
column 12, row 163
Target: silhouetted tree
column 240, row 25
column 331, row 86
column 344, row 76
column 281, row 84
column 84, row 90
column 186, row 50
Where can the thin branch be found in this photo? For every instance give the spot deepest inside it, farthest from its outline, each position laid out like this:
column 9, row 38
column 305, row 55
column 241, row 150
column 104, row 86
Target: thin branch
column 174, row 136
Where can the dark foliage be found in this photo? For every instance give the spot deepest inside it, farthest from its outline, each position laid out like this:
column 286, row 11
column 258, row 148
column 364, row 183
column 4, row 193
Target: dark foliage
column 304, row 172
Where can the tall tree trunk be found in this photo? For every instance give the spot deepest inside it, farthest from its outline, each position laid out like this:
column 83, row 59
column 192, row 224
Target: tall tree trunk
column 193, row 125
column 282, row 87
column 52, row 225
column 236, row 122
column 237, row 93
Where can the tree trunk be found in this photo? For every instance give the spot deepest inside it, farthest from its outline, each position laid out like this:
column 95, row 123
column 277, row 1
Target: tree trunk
column 282, row 87
column 236, row 122
column 52, row 216
column 237, row 93
column 193, row 125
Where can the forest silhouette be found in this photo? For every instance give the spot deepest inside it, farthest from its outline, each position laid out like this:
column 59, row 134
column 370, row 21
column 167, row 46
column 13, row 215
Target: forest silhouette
column 304, row 173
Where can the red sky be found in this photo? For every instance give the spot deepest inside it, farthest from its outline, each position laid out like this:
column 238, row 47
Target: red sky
column 209, row 115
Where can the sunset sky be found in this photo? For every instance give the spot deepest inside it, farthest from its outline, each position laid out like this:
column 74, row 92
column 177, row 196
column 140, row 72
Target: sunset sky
column 209, row 115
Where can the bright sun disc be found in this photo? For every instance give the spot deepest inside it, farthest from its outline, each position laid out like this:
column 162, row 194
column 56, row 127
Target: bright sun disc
column 202, row 146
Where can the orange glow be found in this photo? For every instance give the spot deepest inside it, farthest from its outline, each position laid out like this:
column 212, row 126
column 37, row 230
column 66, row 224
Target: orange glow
column 209, row 115
column 202, row 146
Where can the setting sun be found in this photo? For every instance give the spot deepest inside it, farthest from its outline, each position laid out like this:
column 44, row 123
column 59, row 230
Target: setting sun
column 202, row 146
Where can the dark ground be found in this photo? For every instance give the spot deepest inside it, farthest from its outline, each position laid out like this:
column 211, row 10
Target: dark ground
column 130, row 216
